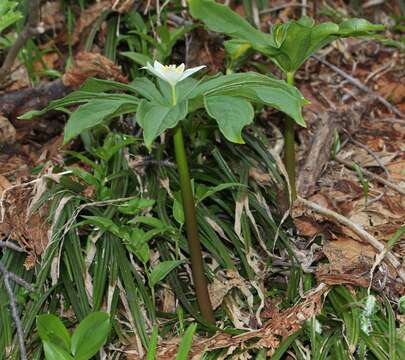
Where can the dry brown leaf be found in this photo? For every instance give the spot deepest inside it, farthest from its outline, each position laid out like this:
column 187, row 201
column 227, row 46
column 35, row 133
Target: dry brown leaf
column 52, row 16
column 397, row 170
column 306, row 227
column 282, row 325
column 88, row 65
column 346, row 253
column 7, row 132
column 89, row 15
column 224, row 283
column 31, row 232
column 48, row 61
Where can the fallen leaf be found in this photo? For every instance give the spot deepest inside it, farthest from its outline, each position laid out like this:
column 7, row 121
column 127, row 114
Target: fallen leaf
column 7, row 132
column 87, row 65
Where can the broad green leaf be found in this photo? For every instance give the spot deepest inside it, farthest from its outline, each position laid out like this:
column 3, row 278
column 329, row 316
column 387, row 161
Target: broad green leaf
column 155, row 119
column 297, row 40
column 282, row 100
column 132, row 207
column 54, row 352
column 90, row 335
column 84, row 175
column 78, row 97
column 256, row 88
column 289, row 44
column 236, row 48
column 231, row 114
column 50, row 328
column 177, row 209
column 358, row 27
column 161, row 270
column 139, row 58
column 186, row 342
column 94, row 113
column 103, row 223
column 150, row 221
column 100, row 86
column 147, row 89
column 221, row 18
column 185, row 88
column 138, row 240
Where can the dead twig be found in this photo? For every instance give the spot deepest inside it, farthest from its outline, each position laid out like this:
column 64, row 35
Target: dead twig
column 371, row 175
column 359, row 231
column 7, row 276
column 360, row 85
column 11, row 245
column 32, row 28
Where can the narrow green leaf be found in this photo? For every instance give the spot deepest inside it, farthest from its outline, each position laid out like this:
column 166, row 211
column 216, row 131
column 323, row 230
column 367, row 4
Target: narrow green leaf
column 213, row 190
column 161, row 270
column 186, row 343
column 392, row 330
column 152, row 347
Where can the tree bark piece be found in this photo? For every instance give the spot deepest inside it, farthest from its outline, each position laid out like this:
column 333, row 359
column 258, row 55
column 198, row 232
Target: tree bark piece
column 18, row 102
column 318, row 154
column 320, row 151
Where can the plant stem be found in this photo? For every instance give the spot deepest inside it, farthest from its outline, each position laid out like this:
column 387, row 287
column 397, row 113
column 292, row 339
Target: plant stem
column 197, row 266
column 289, row 142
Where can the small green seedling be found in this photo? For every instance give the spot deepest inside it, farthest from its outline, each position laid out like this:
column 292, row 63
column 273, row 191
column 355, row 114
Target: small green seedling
column 289, row 45
column 226, row 99
column 363, row 181
column 85, row 342
column 8, row 14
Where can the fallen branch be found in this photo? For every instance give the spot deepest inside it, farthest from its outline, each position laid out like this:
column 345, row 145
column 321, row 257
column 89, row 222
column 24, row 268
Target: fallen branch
column 360, row 85
column 359, row 231
column 32, row 28
column 16, row 103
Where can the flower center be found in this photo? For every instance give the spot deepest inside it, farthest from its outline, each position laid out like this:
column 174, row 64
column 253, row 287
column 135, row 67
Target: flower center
column 171, row 68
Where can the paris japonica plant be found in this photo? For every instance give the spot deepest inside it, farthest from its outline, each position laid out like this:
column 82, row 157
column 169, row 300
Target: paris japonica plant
column 288, row 45
column 162, row 104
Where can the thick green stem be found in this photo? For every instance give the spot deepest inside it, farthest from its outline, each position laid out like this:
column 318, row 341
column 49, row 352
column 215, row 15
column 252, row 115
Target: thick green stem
column 289, row 143
column 200, row 282
column 197, row 266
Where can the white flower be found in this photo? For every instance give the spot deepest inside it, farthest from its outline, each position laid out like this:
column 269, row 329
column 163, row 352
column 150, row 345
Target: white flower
column 171, row 73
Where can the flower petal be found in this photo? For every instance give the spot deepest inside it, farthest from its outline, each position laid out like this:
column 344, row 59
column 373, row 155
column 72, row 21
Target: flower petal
column 156, row 70
column 159, row 67
column 191, row 71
